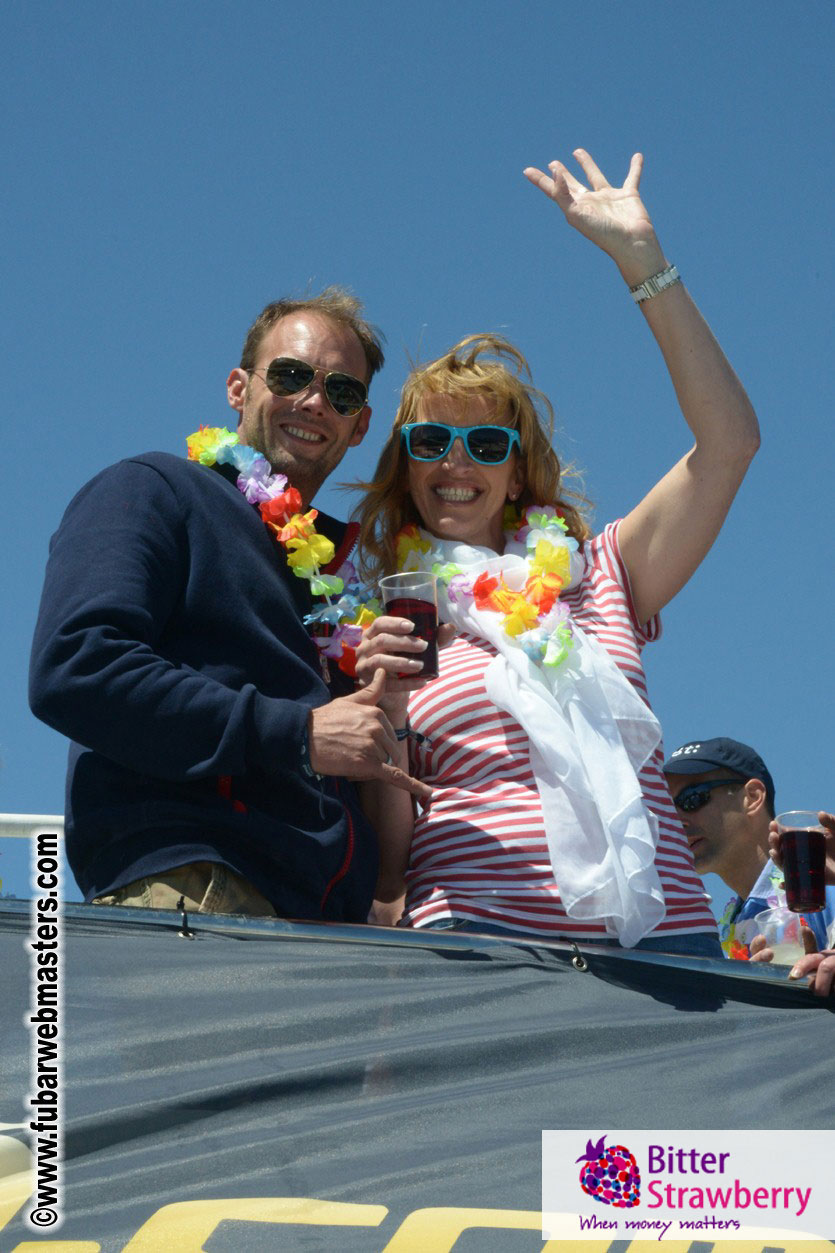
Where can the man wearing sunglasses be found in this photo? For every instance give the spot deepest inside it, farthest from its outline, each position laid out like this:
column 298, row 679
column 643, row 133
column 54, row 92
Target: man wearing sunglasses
column 724, row 795
column 208, row 762
column 301, row 393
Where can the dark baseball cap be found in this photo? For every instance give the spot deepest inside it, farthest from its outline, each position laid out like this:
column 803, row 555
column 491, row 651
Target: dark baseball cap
column 701, row 755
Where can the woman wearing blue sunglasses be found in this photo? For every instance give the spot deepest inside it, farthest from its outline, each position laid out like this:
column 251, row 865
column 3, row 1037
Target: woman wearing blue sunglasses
column 549, row 815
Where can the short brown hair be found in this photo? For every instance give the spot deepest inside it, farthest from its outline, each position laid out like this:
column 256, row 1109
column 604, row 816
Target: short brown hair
column 336, row 303
column 481, row 365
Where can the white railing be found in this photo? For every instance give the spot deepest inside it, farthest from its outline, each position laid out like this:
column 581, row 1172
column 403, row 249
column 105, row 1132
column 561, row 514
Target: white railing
column 22, row 826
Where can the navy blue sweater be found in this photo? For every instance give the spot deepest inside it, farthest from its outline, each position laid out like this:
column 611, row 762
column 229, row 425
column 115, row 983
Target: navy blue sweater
column 170, row 648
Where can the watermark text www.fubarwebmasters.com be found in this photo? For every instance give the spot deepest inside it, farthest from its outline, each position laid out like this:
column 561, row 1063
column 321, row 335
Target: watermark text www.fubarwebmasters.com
column 44, row 1112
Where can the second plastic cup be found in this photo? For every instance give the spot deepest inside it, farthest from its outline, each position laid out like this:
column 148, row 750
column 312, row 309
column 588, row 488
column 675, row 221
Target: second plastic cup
column 781, row 929
column 415, row 596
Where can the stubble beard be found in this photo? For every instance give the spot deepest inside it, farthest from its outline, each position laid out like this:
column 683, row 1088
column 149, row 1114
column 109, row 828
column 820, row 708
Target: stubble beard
column 259, row 435
column 305, row 475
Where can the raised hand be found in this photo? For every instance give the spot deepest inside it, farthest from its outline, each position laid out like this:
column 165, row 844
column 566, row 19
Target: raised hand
column 614, row 218
column 353, row 738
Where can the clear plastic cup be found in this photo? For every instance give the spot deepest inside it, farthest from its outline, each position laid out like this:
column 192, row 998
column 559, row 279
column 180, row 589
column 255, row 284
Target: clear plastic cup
column 781, row 929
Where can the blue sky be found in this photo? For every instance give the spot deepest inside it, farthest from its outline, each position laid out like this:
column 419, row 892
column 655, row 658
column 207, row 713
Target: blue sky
column 172, row 167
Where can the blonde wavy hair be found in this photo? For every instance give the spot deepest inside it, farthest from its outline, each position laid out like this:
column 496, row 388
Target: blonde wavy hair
column 486, row 366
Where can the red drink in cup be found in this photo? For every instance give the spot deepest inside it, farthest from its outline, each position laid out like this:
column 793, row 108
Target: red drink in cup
column 414, row 596
column 425, row 618
column 803, row 850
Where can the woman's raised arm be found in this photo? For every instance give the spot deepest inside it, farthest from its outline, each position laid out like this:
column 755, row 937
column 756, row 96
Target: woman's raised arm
column 665, row 537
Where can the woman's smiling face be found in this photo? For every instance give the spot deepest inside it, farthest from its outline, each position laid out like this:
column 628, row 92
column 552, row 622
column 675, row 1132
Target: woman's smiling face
column 456, row 497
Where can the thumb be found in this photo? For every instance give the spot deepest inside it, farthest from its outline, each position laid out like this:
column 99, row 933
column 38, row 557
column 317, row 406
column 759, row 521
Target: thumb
column 446, row 634
column 371, row 694
column 810, row 944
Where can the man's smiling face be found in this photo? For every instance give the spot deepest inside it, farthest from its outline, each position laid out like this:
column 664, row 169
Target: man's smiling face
column 301, row 435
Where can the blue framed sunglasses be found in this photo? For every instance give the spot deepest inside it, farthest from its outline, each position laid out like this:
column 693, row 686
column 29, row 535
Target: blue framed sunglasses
column 431, row 441
column 696, row 795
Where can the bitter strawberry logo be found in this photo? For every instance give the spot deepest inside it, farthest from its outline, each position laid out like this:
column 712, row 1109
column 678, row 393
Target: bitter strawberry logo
column 610, row 1175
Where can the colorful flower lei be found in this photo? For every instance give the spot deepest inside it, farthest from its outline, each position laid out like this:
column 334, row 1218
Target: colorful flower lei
column 532, row 618
column 307, row 550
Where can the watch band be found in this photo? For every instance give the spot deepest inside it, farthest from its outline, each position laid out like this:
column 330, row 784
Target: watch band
column 655, row 284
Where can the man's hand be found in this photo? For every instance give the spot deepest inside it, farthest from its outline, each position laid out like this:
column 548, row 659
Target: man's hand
column 821, row 970
column 760, row 952
column 827, row 821
column 353, row 739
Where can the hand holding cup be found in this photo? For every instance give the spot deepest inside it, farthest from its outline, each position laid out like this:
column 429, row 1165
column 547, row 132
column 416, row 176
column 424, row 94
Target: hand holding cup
column 782, row 931
column 827, row 823
column 394, row 645
column 801, row 848
column 414, row 598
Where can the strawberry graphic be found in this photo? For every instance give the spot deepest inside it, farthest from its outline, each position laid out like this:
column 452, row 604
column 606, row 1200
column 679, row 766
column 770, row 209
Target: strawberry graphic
column 610, row 1175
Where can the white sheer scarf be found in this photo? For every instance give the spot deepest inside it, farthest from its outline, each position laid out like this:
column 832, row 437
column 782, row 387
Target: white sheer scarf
column 590, row 733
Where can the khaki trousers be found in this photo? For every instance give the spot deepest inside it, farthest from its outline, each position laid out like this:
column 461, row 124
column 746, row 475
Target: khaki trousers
column 206, row 888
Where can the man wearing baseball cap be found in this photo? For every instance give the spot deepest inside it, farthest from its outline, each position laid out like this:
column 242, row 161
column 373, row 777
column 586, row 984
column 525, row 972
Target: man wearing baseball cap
column 724, row 794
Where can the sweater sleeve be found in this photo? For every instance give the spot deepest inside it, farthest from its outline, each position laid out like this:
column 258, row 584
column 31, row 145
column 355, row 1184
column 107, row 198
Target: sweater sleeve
column 117, row 572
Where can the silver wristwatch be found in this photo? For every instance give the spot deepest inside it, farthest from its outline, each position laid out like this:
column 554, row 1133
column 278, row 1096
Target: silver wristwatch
column 655, row 284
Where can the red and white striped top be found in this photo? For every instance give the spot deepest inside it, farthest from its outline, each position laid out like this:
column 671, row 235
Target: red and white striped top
column 479, row 850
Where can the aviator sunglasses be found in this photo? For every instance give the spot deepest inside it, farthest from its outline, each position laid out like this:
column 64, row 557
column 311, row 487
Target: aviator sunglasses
column 285, row 376
column 431, row 441
column 696, row 795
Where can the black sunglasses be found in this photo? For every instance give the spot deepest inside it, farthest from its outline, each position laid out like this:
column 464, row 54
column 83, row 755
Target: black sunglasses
column 488, row 445
column 696, row 795
column 285, row 376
